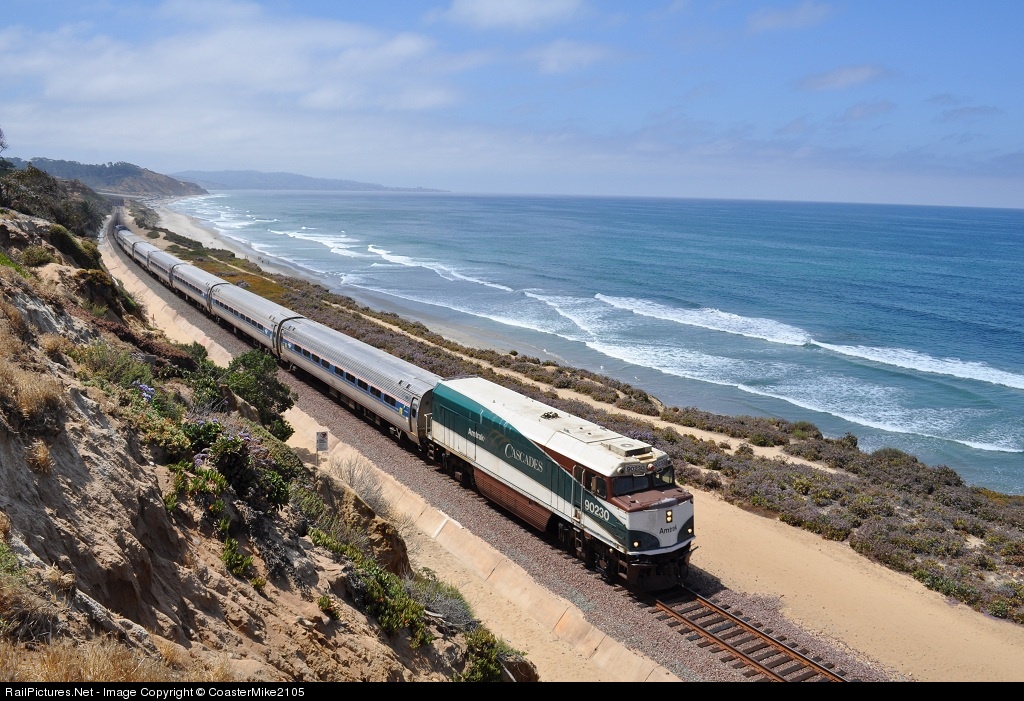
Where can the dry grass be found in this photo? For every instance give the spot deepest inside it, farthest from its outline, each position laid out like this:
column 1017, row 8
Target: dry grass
column 63, row 582
column 8, row 375
column 54, row 345
column 101, row 661
column 10, row 345
column 33, row 395
column 5, row 527
column 24, row 615
column 38, row 395
column 38, row 457
column 362, row 477
column 14, row 318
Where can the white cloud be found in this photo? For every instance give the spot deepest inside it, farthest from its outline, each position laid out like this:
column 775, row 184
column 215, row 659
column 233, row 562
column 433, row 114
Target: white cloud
column 511, row 14
column 867, row 110
column 795, row 127
column 968, row 113
column 243, row 65
column 841, row 78
column 807, row 14
column 564, row 56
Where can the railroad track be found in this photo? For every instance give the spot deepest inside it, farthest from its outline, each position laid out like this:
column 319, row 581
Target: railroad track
column 743, row 644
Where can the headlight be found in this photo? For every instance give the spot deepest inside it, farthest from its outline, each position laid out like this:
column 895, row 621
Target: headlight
column 668, row 516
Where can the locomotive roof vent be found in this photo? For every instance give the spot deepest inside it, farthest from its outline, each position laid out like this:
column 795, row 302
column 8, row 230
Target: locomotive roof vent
column 549, row 415
column 629, row 448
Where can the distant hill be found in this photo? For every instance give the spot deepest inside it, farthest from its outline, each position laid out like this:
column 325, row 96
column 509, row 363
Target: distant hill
column 255, row 180
column 114, row 178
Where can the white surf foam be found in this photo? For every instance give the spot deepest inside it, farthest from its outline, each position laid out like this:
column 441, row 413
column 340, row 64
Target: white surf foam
column 713, row 319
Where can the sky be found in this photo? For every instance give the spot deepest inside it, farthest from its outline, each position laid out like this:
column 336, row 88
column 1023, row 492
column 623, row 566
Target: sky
column 911, row 102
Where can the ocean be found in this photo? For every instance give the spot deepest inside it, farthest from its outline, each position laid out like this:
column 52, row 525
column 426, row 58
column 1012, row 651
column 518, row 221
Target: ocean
column 899, row 324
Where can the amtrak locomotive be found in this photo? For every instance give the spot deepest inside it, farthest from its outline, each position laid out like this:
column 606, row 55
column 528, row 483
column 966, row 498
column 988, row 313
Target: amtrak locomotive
column 609, row 499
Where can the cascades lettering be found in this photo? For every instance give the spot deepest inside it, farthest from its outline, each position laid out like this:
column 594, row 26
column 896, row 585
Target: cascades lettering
column 519, row 456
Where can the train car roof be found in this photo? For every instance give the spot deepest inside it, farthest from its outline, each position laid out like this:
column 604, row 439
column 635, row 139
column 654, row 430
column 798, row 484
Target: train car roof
column 252, row 304
column 194, row 274
column 586, row 442
column 165, row 258
column 143, row 246
column 359, row 358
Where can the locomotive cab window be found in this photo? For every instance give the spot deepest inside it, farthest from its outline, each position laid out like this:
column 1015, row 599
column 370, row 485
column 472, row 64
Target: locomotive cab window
column 630, row 484
column 639, row 483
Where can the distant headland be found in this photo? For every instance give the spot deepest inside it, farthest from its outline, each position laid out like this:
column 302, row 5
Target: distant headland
column 134, row 181
column 255, row 180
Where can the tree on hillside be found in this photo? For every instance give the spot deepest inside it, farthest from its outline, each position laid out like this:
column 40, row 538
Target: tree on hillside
column 253, row 377
column 3, row 141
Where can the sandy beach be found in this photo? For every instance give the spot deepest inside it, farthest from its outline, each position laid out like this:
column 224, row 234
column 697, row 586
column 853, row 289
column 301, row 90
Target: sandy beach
column 823, row 586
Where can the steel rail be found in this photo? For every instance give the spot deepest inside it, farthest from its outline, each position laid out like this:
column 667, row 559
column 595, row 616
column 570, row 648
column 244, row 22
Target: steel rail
column 768, row 640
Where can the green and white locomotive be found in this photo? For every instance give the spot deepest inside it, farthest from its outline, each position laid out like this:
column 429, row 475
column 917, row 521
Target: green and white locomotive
column 610, row 499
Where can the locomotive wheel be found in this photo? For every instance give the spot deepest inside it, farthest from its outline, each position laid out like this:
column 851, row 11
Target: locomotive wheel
column 586, row 553
column 607, row 566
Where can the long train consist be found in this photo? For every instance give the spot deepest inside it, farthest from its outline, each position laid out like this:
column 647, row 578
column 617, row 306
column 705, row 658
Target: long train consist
column 611, row 500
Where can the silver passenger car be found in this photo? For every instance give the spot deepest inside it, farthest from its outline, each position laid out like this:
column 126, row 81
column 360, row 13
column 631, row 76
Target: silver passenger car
column 162, row 263
column 141, row 252
column 387, row 388
column 257, row 317
column 196, row 284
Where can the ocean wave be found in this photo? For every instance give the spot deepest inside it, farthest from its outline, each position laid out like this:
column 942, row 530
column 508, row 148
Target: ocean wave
column 922, row 362
column 714, row 320
column 445, row 271
column 933, row 423
column 577, row 311
column 527, row 318
column 340, row 245
column 864, row 404
column 777, row 332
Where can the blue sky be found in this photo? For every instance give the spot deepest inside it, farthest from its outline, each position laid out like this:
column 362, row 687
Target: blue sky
column 906, row 102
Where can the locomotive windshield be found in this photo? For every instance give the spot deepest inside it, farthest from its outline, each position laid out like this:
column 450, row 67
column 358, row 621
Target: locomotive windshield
column 641, row 483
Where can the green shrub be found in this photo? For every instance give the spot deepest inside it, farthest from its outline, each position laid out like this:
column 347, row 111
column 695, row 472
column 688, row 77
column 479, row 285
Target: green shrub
column 202, row 434
column 171, row 501
column 35, row 256
column 387, row 600
column 253, row 377
column 8, row 561
column 441, row 598
column 116, row 365
column 7, row 262
column 237, row 564
column 327, row 605
column 486, row 655
column 85, row 254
